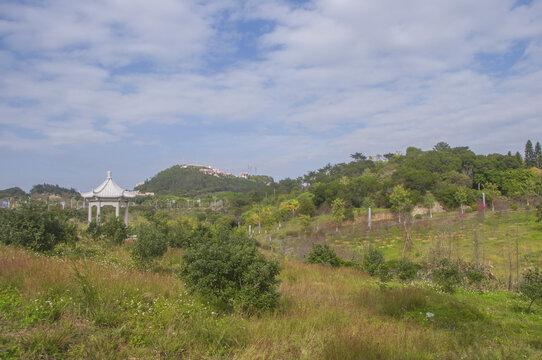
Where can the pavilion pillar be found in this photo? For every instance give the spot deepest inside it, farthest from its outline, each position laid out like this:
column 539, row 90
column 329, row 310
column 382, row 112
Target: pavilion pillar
column 126, row 213
column 89, row 213
column 99, row 213
column 117, row 210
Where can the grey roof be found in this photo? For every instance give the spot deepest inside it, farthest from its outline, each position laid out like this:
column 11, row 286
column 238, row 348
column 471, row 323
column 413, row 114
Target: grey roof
column 108, row 190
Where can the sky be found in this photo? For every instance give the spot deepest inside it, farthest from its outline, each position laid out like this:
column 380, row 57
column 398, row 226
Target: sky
column 276, row 87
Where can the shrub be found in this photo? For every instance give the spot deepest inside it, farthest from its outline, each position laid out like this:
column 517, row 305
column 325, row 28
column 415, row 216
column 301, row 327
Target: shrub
column 93, row 229
column 447, row 274
column 373, row 259
column 228, row 269
column 407, row 270
column 324, row 254
column 531, row 285
column 539, row 212
column 115, row 230
column 150, row 243
column 306, row 205
column 179, row 232
column 35, row 226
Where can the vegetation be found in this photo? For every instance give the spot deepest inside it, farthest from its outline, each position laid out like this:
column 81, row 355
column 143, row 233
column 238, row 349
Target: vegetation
column 54, row 190
column 12, row 192
column 190, row 181
column 193, row 283
column 228, row 269
column 36, row 227
column 323, row 254
column 531, row 285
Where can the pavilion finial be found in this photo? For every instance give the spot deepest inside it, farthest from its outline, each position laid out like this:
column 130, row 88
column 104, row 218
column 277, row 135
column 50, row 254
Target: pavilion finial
column 109, row 174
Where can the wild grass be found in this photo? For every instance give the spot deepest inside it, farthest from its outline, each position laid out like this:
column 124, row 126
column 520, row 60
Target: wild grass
column 74, row 307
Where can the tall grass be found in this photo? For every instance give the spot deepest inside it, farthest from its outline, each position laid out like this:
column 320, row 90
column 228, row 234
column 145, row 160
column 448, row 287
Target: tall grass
column 82, row 309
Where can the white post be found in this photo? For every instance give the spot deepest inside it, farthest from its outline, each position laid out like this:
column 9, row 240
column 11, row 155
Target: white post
column 369, row 218
column 484, row 199
column 117, row 210
column 126, row 213
column 89, row 213
column 99, row 213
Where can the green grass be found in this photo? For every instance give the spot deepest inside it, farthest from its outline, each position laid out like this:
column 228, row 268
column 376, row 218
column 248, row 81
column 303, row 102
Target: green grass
column 70, row 306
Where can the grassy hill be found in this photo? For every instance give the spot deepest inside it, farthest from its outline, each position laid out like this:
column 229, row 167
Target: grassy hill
column 190, row 181
column 11, row 192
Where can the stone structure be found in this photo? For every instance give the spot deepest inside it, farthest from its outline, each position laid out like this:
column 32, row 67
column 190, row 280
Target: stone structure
column 108, row 193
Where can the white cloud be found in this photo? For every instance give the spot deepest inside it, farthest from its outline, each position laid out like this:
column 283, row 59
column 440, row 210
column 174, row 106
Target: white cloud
column 336, row 76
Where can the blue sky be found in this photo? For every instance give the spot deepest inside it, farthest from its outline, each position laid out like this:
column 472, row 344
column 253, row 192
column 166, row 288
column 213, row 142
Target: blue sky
column 136, row 86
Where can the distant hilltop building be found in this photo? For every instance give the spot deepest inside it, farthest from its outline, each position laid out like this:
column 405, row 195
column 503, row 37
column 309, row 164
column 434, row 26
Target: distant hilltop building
column 209, row 170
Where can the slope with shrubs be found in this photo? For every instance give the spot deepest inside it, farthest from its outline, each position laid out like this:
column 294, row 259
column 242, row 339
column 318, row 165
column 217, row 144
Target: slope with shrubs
column 190, row 181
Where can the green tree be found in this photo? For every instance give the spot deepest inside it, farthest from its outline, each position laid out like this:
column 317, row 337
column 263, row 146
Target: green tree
column 402, row 205
column 442, row 146
column 429, row 202
column 306, row 205
column 373, row 259
column 151, row 243
column 538, row 155
column 531, row 285
column 461, row 195
column 228, row 269
column 493, row 192
column 338, row 212
column 34, row 226
column 324, row 254
column 530, row 157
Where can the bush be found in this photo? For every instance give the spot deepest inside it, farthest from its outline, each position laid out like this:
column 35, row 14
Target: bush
column 228, row 269
column 35, row 226
column 539, row 212
column 306, row 205
column 150, row 243
column 115, row 230
column 373, row 259
column 324, row 254
column 531, row 285
column 407, row 270
column 448, row 275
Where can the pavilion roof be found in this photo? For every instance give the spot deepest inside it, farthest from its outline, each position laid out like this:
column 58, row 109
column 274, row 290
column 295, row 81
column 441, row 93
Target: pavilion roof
column 109, row 189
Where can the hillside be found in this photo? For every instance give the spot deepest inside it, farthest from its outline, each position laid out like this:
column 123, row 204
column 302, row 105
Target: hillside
column 48, row 189
column 191, row 181
column 11, row 192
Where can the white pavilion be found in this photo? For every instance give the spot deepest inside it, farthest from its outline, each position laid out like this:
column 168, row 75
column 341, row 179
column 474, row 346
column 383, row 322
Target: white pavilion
column 108, row 193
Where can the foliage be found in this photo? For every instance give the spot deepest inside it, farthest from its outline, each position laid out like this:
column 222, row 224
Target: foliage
column 324, row 254
column 373, row 259
column 539, row 212
column 35, row 226
column 447, row 275
column 12, row 192
column 531, row 285
column 538, row 155
column 530, row 157
column 429, row 202
column 306, row 205
column 151, row 243
column 228, row 269
column 407, row 270
column 461, row 195
column 115, row 230
column 400, row 200
column 189, row 181
column 338, row 210
column 55, row 190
